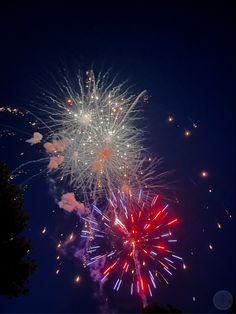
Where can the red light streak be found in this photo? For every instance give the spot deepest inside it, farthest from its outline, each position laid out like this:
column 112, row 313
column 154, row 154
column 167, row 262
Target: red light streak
column 160, row 247
column 110, row 267
column 125, row 265
column 132, row 218
column 141, row 280
column 157, row 215
column 172, row 221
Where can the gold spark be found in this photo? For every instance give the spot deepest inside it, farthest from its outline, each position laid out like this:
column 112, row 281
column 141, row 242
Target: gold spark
column 77, row 279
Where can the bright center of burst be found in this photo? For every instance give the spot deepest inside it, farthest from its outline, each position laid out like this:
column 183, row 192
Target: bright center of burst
column 132, row 242
column 85, row 118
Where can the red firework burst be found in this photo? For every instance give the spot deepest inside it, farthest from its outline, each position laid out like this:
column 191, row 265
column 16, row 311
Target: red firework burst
column 135, row 243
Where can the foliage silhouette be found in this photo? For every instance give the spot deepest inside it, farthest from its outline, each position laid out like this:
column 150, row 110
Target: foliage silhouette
column 156, row 308
column 232, row 309
column 15, row 264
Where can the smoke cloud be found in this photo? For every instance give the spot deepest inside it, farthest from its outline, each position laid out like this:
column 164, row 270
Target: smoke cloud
column 55, row 161
column 35, row 139
column 70, row 204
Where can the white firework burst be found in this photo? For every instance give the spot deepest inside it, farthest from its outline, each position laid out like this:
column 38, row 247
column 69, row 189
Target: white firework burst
column 93, row 142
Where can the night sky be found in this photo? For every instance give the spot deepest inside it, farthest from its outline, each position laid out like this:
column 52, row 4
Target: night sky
column 183, row 53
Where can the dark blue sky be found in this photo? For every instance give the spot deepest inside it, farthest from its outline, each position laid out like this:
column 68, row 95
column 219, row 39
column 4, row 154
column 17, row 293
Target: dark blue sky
column 184, row 55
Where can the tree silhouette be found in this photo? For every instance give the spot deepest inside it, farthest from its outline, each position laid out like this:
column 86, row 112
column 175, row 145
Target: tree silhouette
column 232, row 308
column 156, row 308
column 15, row 265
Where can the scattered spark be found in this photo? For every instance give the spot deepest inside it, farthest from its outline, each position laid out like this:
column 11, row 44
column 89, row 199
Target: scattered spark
column 204, row 174
column 187, row 133
column 44, row 230
column 228, row 213
column 69, row 102
column 77, row 279
column 72, row 237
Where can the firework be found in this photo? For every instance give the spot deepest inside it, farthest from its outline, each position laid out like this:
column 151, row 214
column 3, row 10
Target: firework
column 92, row 143
column 135, row 243
column 92, row 140
column 94, row 148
